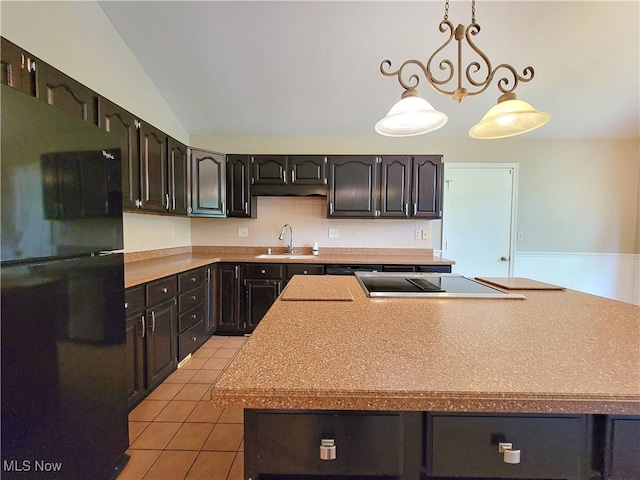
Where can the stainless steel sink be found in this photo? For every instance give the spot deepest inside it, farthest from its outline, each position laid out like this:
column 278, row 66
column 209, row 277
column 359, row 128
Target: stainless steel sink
column 289, row 256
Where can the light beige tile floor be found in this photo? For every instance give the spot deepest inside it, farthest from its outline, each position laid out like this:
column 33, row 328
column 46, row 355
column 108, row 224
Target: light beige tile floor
column 176, row 434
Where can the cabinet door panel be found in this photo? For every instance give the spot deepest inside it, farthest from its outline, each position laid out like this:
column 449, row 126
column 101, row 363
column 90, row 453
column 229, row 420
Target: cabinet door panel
column 208, row 184
column 63, row 92
column 229, row 298
column 161, row 342
column 154, row 170
column 212, row 312
column 135, row 358
column 426, row 191
column 239, row 201
column 260, row 296
column 177, row 177
column 308, row 169
column 353, row 186
column 18, row 68
column 269, row 170
column 395, row 186
column 122, row 124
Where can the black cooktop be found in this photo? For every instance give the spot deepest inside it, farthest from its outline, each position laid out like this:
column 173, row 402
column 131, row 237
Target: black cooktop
column 402, row 284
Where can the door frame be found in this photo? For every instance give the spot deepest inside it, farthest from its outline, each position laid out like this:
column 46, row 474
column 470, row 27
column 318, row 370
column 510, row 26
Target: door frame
column 514, row 202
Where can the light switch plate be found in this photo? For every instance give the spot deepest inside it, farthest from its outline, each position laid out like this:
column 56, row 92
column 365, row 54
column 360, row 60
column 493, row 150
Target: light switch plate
column 243, row 232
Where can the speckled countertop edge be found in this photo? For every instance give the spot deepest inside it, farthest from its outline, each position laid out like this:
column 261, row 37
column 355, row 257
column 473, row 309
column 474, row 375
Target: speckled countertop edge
column 142, row 267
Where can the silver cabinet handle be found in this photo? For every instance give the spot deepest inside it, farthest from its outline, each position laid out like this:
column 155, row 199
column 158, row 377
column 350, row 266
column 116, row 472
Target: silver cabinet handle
column 330, row 208
column 510, row 456
column 165, row 290
column 293, row 176
column 194, row 339
column 406, row 209
column 166, row 198
column 144, row 326
column 153, row 321
column 327, row 449
column 246, row 208
column 193, row 279
column 415, row 208
column 237, row 268
column 193, row 297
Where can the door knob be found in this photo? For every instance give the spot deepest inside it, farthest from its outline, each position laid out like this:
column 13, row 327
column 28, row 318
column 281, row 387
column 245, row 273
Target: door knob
column 504, row 259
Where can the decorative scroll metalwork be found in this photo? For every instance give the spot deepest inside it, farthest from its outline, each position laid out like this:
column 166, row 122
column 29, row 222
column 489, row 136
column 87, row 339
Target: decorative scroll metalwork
column 506, row 84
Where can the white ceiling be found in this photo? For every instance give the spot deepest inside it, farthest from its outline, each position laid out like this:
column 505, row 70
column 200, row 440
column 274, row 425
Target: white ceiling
column 294, row 68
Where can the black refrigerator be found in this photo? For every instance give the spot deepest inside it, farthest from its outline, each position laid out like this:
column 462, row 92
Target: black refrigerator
column 62, row 320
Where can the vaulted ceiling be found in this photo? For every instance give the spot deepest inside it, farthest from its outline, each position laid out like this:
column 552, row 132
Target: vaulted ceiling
column 294, row 68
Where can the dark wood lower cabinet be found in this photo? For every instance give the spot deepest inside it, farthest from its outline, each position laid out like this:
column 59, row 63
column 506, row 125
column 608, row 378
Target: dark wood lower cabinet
column 229, row 280
column 260, row 295
column 161, row 342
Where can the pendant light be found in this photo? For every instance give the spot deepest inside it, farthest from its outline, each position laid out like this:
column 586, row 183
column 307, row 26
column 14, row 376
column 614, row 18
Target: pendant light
column 413, row 115
column 508, row 118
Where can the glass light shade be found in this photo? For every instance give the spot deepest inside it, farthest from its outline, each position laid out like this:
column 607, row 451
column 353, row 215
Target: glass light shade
column 507, row 119
column 412, row 115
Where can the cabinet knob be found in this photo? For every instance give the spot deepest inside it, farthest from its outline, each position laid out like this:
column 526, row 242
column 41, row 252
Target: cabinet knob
column 165, row 290
column 194, row 339
column 305, row 272
column 510, row 456
column 263, row 271
column 193, row 279
column 327, row 449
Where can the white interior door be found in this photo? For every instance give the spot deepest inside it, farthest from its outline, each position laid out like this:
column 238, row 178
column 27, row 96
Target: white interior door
column 478, row 219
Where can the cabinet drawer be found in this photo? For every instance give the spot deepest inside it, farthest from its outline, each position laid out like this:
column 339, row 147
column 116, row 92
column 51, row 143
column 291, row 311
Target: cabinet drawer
column 303, row 269
column 134, row 300
column 161, row 290
column 466, row 445
column 435, row 268
column 191, row 340
column 190, row 280
column 191, row 317
column 190, row 299
column 263, row 270
column 366, row 443
column 623, row 447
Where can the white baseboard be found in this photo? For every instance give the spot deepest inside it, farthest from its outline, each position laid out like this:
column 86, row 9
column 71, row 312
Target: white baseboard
column 611, row 275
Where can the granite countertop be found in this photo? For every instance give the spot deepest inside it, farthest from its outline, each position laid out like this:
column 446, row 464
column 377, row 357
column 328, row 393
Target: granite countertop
column 558, row 351
column 142, row 267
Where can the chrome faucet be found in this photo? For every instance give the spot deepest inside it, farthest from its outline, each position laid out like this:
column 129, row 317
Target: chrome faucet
column 281, row 237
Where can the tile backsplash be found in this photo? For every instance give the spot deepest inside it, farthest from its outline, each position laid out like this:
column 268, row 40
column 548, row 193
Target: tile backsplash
column 308, row 218
column 306, row 215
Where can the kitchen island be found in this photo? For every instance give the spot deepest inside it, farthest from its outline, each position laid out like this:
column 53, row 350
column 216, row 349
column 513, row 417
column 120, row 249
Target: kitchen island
column 557, row 353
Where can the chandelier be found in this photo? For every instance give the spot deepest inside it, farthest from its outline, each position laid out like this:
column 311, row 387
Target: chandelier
column 413, row 115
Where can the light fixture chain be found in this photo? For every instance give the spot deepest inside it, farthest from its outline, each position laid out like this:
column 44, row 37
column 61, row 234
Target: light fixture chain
column 446, row 9
column 473, row 11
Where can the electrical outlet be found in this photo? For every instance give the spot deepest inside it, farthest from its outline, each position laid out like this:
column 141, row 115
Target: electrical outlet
column 425, row 234
column 243, row 232
column 333, row 233
column 417, row 234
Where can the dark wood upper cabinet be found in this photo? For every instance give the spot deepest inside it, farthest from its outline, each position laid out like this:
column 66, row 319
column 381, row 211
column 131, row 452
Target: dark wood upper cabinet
column 153, row 169
column 353, row 186
column 177, row 178
column 18, row 68
column 62, row 91
column 240, row 203
column 395, row 186
column 427, row 182
column 208, row 183
column 308, row 170
column 122, row 124
column 269, row 170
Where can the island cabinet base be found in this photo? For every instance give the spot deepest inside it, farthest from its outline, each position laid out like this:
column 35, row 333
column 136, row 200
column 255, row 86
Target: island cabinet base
column 344, row 444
